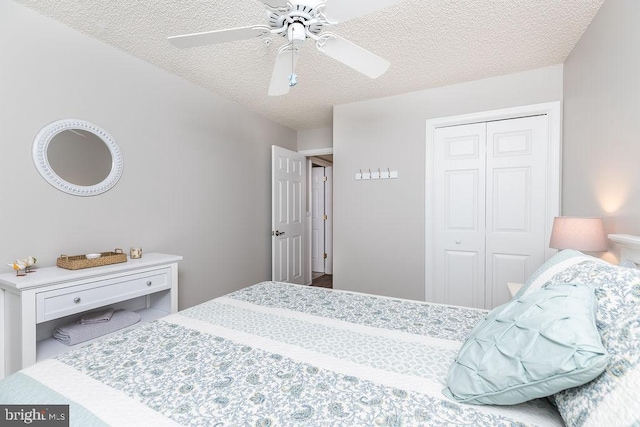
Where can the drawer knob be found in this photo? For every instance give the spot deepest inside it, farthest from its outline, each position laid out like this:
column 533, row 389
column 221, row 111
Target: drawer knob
column 149, row 283
column 76, row 300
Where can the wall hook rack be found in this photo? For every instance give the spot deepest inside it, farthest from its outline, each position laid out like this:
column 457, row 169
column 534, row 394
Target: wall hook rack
column 377, row 173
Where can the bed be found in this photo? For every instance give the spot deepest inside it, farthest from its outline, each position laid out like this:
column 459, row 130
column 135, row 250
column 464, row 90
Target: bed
column 283, row 354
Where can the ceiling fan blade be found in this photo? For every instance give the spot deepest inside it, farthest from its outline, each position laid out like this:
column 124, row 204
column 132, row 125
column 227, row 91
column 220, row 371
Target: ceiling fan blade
column 352, row 55
column 285, row 64
column 218, row 36
column 275, row 3
column 340, row 10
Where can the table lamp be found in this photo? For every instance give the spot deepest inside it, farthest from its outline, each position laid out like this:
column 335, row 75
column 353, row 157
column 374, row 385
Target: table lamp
column 581, row 234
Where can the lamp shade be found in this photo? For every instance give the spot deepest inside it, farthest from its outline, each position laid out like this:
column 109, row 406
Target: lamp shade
column 582, row 234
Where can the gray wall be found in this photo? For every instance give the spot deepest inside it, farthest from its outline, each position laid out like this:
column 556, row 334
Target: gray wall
column 314, row 139
column 379, row 226
column 601, row 174
column 196, row 178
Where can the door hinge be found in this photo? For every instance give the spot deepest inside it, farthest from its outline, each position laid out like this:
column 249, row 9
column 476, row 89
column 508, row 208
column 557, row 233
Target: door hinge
column 324, row 217
column 324, row 178
column 324, row 256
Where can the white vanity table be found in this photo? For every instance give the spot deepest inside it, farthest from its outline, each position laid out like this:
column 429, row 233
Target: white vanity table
column 34, row 305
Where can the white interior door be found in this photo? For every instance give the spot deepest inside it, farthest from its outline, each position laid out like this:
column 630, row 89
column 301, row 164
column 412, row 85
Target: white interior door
column 287, row 202
column 317, row 219
column 459, row 215
column 517, row 150
column 328, row 224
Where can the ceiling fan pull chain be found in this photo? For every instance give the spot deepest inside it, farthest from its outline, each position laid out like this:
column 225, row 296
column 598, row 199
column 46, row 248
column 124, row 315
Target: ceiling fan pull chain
column 293, row 78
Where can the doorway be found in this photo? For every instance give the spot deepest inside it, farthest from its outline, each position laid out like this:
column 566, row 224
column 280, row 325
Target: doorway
column 319, row 217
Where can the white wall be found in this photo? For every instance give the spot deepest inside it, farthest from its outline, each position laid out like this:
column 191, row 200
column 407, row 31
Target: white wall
column 379, row 225
column 196, row 178
column 601, row 172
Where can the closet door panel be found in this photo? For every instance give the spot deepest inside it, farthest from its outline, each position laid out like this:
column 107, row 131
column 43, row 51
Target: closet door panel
column 511, row 192
column 464, row 285
column 515, row 202
column 461, row 200
column 459, row 215
column 506, row 268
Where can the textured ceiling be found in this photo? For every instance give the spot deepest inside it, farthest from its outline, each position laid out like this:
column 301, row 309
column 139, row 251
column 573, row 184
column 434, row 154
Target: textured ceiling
column 430, row 43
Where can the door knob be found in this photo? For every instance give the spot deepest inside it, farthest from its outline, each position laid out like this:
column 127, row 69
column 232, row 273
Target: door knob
column 279, row 233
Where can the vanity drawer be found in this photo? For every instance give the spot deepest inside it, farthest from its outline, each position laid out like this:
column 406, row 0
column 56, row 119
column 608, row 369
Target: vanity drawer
column 75, row 299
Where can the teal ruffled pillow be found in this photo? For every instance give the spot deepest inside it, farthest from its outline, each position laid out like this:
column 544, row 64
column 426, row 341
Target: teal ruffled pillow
column 531, row 347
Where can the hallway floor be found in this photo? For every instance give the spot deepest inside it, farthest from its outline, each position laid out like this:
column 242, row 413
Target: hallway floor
column 322, row 281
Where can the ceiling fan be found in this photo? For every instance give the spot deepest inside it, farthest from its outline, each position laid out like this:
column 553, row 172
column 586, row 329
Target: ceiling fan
column 297, row 21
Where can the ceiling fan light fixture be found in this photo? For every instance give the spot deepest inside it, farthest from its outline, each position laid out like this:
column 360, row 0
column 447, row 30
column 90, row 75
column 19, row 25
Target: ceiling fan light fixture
column 296, row 33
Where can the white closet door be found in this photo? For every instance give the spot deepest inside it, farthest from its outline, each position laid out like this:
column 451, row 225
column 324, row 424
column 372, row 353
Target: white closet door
column 490, row 199
column 516, row 202
column 459, row 215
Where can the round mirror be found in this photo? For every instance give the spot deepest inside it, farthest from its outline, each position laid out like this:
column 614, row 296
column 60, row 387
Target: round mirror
column 77, row 157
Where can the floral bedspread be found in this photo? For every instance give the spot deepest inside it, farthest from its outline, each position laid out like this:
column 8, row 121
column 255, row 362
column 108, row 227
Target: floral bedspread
column 274, row 354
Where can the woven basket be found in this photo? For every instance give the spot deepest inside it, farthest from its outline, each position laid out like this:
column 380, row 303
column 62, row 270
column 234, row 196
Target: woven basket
column 76, row 262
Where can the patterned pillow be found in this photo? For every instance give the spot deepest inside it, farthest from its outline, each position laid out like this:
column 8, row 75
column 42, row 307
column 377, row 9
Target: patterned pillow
column 532, row 347
column 628, row 264
column 554, row 265
column 612, row 398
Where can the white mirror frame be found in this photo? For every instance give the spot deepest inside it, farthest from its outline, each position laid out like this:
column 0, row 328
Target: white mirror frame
column 39, row 152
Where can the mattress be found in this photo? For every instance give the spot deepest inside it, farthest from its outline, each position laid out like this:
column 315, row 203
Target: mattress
column 273, row 354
